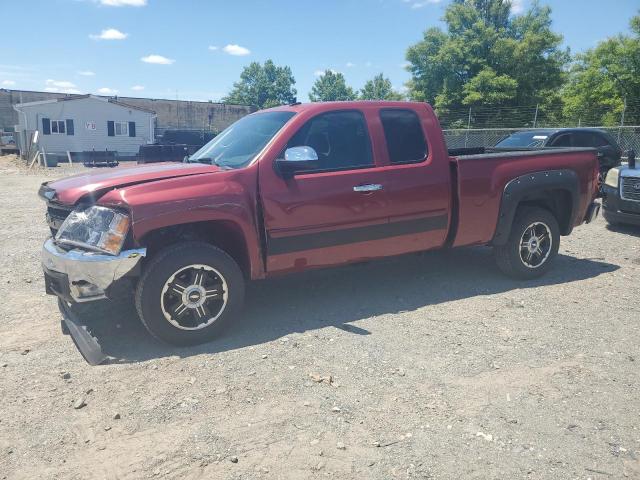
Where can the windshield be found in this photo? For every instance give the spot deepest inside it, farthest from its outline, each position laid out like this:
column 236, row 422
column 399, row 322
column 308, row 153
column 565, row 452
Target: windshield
column 524, row 140
column 236, row 146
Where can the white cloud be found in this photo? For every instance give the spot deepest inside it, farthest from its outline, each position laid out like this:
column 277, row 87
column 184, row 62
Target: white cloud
column 109, row 34
column 350, row 65
column 213, row 48
column 7, row 83
column 415, row 4
column 319, row 73
column 237, row 50
column 517, row 6
column 405, row 64
column 124, row 3
column 86, row 73
column 59, row 83
column 137, row 88
column 157, row 59
column 73, row 91
column 61, row 86
column 107, row 91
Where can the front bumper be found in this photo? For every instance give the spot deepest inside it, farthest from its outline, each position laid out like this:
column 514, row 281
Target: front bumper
column 621, row 217
column 619, row 210
column 81, row 276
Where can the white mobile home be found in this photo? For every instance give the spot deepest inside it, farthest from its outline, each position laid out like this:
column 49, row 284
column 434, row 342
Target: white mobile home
column 84, row 123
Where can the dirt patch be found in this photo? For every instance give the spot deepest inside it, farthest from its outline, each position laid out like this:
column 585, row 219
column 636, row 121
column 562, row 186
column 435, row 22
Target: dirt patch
column 13, row 164
column 440, row 368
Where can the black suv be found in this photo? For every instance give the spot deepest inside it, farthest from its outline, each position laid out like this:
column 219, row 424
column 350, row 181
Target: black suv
column 609, row 153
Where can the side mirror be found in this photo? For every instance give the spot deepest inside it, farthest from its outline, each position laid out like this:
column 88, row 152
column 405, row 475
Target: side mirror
column 297, row 159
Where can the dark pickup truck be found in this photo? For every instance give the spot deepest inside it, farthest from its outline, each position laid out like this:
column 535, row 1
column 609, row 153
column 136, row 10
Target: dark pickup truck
column 299, row 187
column 621, row 193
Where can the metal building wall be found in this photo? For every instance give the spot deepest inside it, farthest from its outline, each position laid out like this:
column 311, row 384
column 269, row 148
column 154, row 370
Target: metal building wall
column 171, row 113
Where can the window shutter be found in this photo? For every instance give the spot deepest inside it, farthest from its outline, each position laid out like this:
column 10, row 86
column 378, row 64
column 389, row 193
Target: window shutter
column 111, row 130
column 132, row 129
column 70, row 130
column 46, row 126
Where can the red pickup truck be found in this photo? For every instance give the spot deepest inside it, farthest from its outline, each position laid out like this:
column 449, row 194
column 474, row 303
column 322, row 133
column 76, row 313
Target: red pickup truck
column 298, row 187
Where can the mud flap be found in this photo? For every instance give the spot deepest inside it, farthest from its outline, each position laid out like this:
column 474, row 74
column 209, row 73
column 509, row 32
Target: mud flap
column 86, row 344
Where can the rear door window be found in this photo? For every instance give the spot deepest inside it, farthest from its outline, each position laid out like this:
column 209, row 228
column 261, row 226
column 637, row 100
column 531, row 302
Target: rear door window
column 404, row 135
column 584, row 139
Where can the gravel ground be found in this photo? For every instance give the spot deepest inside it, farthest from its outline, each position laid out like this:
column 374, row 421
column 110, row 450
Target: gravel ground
column 423, row 366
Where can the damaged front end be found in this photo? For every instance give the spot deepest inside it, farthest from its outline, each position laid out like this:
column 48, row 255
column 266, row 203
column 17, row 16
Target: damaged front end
column 84, row 259
column 85, row 256
column 77, row 275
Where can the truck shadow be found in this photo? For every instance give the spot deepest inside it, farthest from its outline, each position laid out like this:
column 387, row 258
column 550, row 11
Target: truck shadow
column 333, row 297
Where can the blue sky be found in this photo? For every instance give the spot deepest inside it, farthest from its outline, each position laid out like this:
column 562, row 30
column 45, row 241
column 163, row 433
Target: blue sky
column 195, row 49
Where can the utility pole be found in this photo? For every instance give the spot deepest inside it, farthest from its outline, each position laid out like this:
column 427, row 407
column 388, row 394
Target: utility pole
column 466, row 136
column 624, row 109
column 535, row 117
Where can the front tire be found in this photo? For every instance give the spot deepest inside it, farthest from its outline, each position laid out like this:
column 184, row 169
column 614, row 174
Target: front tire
column 532, row 246
column 189, row 293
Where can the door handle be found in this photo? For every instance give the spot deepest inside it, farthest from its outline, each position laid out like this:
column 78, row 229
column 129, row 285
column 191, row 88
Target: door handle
column 372, row 187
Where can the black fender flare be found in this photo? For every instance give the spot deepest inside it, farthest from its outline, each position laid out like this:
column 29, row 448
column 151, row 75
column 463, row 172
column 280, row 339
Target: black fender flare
column 516, row 190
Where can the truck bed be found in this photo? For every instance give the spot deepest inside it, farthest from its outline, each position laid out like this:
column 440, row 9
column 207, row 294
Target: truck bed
column 468, row 151
column 480, row 179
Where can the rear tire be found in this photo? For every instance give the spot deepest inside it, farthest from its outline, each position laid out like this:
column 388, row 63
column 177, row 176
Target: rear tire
column 189, row 293
column 532, row 246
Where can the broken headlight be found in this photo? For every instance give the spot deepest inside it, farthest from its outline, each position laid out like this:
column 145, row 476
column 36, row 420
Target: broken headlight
column 95, row 228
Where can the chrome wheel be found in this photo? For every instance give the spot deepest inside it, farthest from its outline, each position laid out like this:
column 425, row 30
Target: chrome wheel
column 535, row 245
column 194, row 297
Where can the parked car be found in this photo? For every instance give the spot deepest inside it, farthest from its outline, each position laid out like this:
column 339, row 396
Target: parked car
column 609, row 153
column 621, row 194
column 174, row 145
column 300, row 187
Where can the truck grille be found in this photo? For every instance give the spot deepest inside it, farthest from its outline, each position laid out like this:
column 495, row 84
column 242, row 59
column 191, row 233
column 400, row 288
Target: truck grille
column 631, row 188
column 56, row 215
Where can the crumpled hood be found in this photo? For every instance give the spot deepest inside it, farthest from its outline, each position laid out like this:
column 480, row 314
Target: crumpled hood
column 95, row 183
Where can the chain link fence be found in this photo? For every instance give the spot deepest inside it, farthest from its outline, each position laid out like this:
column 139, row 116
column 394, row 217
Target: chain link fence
column 628, row 137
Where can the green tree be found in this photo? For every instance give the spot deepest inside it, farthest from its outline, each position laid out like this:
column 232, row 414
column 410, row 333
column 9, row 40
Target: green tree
column 331, row 86
column 487, row 57
column 263, row 86
column 602, row 78
column 379, row 88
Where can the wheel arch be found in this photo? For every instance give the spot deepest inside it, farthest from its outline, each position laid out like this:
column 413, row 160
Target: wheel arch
column 227, row 235
column 553, row 190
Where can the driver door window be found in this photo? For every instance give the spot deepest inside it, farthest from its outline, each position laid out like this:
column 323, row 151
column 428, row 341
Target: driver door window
column 340, row 139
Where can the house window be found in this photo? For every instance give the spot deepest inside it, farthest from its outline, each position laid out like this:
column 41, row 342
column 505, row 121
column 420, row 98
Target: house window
column 57, row 126
column 121, row 128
